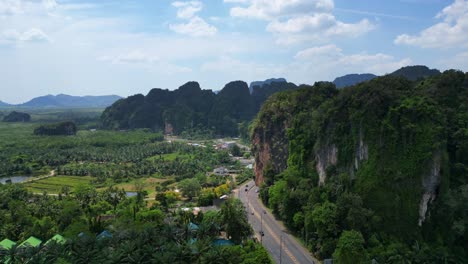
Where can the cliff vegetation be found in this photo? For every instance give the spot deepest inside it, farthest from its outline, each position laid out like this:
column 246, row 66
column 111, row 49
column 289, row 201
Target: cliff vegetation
column 380, row 167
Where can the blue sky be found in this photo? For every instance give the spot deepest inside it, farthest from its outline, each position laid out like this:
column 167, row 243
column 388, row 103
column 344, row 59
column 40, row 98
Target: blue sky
column 130, row 46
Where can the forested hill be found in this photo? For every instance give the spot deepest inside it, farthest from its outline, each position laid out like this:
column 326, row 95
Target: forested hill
column 353, row 79
column 374, row 171
column 416, row 72
column 191, row 108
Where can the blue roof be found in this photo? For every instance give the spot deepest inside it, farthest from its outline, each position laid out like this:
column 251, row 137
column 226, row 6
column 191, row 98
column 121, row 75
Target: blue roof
column 223, row 242
column 104, row 234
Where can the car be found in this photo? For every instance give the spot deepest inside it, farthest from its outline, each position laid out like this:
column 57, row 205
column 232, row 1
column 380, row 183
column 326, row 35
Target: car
column 257, row 190
column 246, row 189
column 246, row 186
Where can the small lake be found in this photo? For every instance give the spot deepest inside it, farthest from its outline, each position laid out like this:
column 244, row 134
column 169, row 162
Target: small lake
column 15, row 179
column 131, row 194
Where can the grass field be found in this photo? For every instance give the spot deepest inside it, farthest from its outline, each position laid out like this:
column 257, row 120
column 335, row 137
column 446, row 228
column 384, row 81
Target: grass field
column 170, row 157
column 53, row 185
column 149, row 185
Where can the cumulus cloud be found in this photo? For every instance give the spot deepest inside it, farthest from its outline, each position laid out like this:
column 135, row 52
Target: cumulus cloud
column 271, row 9
column 296, row 21
column 195, row 26
column 451, row 32
column 31, row 35
column 320, row 24
column 187, row 9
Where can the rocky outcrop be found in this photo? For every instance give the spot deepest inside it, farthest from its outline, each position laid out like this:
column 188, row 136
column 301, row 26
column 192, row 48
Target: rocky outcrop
column 325, row 156
column 168, row 128
column 270, row 147
column 361, row 153
column 430, row 184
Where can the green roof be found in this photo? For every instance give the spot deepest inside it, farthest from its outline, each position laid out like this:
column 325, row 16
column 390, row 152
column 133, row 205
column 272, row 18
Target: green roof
column 58, row 239
column 31, row 242
column 7, row 244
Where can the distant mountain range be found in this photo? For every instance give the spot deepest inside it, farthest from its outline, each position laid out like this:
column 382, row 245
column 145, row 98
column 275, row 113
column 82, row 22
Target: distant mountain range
column 2, row 104
column 411, row 73
column 66, row 101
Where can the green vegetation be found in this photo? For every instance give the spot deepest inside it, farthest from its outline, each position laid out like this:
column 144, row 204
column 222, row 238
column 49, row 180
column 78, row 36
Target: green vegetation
column 58, row 129
column 57, row 184
column 108, row 227
column 94, row 171
column 17, row 117
column 351, row 170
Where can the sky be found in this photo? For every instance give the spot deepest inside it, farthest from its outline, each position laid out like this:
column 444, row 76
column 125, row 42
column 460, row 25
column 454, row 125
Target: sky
column 130, row 46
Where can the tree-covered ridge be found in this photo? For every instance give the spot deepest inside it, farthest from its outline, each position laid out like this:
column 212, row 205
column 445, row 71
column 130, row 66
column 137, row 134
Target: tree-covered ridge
column 380, row 167
column 17, row 117
column 415, row 72
column 190, row 108
column 57, row 129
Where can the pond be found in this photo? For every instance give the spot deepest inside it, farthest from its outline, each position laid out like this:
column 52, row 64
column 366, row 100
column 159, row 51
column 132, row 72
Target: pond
column 15, row 179
column 131, row 194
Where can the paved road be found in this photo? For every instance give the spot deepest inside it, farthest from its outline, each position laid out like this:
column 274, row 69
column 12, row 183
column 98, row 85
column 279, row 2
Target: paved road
column 282, row 246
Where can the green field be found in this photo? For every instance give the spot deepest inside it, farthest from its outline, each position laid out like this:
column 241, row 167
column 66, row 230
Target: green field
column 54, row 185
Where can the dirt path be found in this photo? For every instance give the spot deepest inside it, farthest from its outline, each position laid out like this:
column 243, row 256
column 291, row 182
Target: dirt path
column 51, row 174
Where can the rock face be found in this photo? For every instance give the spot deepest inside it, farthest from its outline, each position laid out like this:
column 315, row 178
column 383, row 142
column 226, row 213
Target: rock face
column 325, row 156
column 430, row 183
column 362, row 153
column 272, row 149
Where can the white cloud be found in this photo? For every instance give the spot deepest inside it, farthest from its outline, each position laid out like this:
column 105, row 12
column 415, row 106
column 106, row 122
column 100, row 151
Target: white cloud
column 270, row 9
column 296, row 21
column 452, row 32
column 229, row 68
column 132, row 57
column 195, row 27
column 187, row 9
column 49, row 4
column 146, row 61
column 332, row 57
column 327, row 50
column 10, row 7
column 31, row 35
column 236, row 1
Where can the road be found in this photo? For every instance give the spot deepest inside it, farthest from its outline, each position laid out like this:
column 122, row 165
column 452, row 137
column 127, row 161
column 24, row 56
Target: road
column 282, row 246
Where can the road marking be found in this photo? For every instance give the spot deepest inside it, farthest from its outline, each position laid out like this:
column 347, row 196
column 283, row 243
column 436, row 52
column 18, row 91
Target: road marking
column 275, row 237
